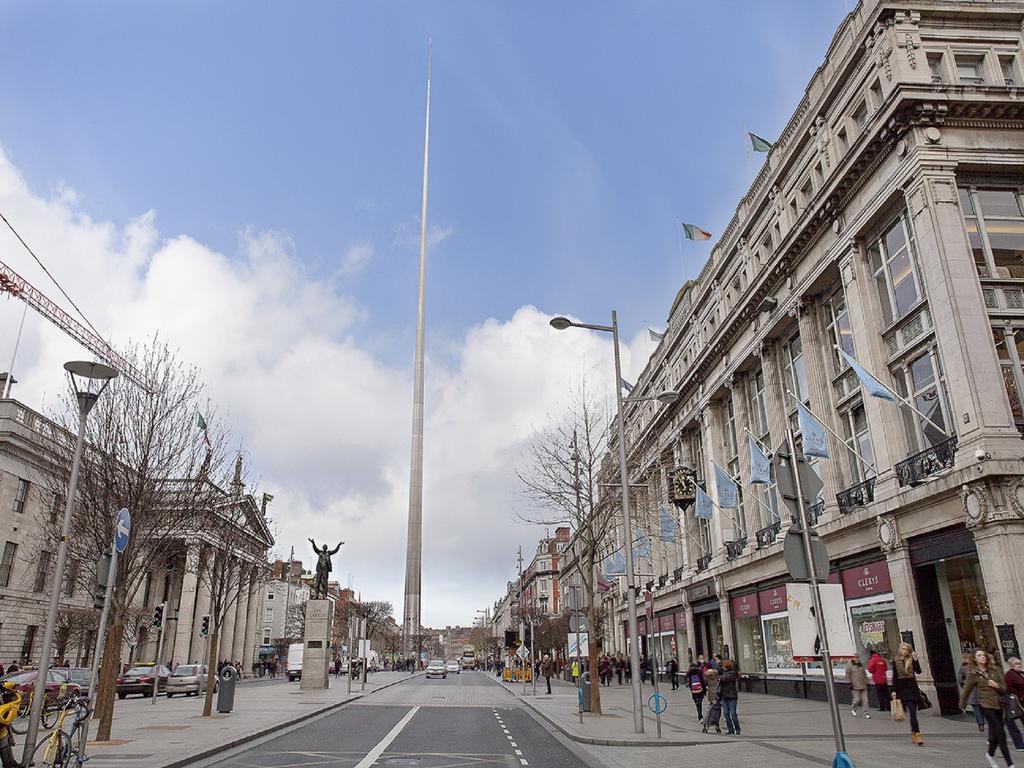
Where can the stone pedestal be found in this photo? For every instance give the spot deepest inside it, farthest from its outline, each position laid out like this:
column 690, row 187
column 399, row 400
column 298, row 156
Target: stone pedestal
column 316, row 650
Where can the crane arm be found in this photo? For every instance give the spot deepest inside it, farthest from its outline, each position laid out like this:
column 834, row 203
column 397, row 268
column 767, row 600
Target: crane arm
column 11, row 282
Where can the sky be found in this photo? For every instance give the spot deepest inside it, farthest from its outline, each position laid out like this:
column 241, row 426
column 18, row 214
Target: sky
column 244, row 178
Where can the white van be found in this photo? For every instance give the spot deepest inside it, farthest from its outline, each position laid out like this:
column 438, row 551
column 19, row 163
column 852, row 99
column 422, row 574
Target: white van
column 293, row 664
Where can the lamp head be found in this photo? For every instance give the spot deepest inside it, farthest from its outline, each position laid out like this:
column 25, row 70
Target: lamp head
column 667, row 397
column 561, row 323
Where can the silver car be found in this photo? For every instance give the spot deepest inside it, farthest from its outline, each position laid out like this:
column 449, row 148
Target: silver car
column 188, row 680
column 436, row 669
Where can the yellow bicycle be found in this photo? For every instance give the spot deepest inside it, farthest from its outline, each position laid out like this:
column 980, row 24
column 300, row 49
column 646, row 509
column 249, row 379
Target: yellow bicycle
column 65, row 748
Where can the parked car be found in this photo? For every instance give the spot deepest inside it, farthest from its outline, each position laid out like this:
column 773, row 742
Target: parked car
column 436, row 668
column 139, row 679
column 79, row 675
column 293, row 664
column 189, row 680
column 57, row 684
column 453, row 666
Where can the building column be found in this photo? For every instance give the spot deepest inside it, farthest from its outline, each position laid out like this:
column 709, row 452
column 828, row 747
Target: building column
column 691, row 633
column 241, row 612
column 963, row 329
column 725, row 611
column 711, row 432
column 181, row 648
column 904, row 589
column 251, row 618
column 198, row 646
column 227, row 634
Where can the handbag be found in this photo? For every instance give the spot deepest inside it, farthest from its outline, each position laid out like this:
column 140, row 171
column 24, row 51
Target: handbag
column 896, row 710
column 923, row 702
column 1012, row 709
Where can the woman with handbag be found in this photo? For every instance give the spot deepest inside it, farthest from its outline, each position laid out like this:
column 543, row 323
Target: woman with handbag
column 986, row 679
column 905, row 669
column 1014, row 680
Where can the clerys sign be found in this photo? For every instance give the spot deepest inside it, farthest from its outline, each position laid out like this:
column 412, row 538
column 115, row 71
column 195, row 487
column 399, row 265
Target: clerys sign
column 772, row 600
column 865, row 580
column 744, row 606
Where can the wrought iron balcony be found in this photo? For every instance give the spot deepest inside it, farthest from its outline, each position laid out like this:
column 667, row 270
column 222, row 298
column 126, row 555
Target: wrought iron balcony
column 815, row 511
column 768, row 534
column 734, row 549
column 919, row 466
column 662, row 580
column 677, row 574
column 703, row 562
column 859, row 495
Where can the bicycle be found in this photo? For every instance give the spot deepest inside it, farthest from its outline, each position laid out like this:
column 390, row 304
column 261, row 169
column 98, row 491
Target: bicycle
column 60, row 749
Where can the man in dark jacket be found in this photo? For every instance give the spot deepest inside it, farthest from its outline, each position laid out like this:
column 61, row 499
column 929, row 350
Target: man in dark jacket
column 728, row 685
column 673, row 672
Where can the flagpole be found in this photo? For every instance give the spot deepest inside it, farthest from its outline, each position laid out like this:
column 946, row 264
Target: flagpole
column 902, row 400
column 750, row 492
column 764, row 448
column 723, row 509
column 832, row 432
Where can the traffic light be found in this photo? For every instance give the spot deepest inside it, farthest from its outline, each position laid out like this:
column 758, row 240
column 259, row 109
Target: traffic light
column 204, row 626
column 158, row 617
column 99, row 594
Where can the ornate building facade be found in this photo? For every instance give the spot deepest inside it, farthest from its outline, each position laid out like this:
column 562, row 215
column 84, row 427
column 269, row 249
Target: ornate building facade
column 887, row 222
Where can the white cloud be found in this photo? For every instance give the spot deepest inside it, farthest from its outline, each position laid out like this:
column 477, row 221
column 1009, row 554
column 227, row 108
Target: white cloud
column 326, row 422
column 356, row 257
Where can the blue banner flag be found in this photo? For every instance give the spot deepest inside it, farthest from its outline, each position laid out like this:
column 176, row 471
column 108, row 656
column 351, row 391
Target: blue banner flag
column 871, row 385
column 625, row 385
column 615, row 565
column 728, row 493
column 704, row 507
column 642, row 547
column 760, row 465
column 813, row 433
column 669, row 526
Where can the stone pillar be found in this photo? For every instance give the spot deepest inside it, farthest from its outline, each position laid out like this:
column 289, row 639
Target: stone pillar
column 711, row 434
column 181, row 648
column 316, row 652
column 227, row 632
column 726, row 613
column 198, row 647
column 819, row 388
column 885, row 422
column 995, row 515
column 963, row 330
column 251, row 618
column 904, row 589
column 241, row 613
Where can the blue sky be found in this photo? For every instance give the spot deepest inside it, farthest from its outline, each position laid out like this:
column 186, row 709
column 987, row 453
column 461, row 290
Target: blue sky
column 568, row 140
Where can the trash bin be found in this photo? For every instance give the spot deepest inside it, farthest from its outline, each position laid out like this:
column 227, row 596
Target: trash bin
column 226, row 689
column 584, row 690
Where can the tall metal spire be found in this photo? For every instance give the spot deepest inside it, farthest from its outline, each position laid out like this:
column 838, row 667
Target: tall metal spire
column 414, row 545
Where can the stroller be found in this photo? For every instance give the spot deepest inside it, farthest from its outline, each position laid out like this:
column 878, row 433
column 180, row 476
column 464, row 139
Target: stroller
column 714, row 715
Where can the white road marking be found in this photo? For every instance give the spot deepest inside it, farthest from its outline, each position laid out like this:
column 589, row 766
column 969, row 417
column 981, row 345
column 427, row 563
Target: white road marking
column 523, row 761
column 373, row 754
column 519, row 752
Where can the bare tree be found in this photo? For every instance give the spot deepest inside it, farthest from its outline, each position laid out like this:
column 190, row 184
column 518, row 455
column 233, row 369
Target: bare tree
column 136, row 628
column 376, row 613
column 73, row 628
column 561, row 473
column 145, row 452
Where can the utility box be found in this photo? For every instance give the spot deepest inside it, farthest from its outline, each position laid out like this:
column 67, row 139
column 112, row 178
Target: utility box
column 226, row 690
column 585, row 694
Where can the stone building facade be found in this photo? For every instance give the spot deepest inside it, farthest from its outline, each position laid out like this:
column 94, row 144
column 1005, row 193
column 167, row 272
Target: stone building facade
column 26, row 568
column 887, row 221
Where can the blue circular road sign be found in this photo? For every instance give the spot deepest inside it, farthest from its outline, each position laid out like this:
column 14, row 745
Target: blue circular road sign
column 122, row 529
column 657, row 703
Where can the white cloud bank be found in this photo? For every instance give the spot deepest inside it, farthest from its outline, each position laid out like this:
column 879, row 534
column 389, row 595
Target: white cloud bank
column 325, row 422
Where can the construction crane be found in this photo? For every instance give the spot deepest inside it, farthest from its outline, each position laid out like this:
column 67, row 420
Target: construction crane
column 15, row 285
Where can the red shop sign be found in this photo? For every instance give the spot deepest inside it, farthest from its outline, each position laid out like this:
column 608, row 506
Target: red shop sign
column 641, row 627
column 744, row 605
column 681, row 621
column 772, row 600
column 864, row 580
column 665, row 623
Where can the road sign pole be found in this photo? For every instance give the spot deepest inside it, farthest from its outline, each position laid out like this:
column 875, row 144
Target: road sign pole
column 819, row 617
column 101, row 638
column 159, row 652
column 654, row 657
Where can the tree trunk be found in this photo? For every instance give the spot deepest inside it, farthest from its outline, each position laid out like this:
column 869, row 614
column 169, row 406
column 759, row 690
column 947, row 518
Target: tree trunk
column 106, row 685
column 595, row 661
column 211, row 671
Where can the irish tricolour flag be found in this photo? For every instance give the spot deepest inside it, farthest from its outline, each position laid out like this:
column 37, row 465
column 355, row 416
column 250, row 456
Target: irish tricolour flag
column 693, row 232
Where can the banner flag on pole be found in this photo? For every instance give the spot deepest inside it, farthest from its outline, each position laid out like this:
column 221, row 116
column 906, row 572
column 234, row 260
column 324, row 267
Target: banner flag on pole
column 693, row 232
column 813, row 433
column 669, row 526
column 873, row 386
column 759, row 144
column 625, row 385
column 728, row 493
column 642, row 547
column 704, row 507
column 760, row 465
column 655, row 336
column 615, row 565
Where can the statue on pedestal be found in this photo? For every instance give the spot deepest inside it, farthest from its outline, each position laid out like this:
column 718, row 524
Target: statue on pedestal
column 323, row 567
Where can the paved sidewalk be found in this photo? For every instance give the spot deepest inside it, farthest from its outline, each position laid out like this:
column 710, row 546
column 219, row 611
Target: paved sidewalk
column 774, row 718
column 173, row 732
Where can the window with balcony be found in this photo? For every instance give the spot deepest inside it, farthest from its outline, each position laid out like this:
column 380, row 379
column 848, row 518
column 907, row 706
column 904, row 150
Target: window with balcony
column 839, row 331
column 994, row 218
column 936, row 68
column 920, row 381
column 732, row 466
column 7, row 563
column 700, row 471
column 970, row 70
column 794, row 371
column 858, row 440
column 891, row 260
column 20, row 496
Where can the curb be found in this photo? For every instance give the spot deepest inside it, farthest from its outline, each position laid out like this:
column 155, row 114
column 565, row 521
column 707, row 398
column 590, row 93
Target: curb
column 233, row 743
column 605, row 742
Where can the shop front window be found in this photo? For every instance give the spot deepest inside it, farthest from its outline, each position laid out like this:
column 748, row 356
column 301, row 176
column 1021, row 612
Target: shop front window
column 778, row 647
column 875, row 627
column 749, row 645
column 974, row 625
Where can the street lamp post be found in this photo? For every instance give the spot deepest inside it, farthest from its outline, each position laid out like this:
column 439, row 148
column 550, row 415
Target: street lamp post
column 560, row 324
column 83, row 375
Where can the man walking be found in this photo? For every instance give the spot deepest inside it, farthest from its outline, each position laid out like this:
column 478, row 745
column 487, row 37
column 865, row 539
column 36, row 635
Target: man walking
column 547, row 669
column 673, row 672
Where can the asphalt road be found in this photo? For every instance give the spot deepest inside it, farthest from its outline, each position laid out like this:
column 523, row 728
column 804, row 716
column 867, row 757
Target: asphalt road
column 464, row 720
